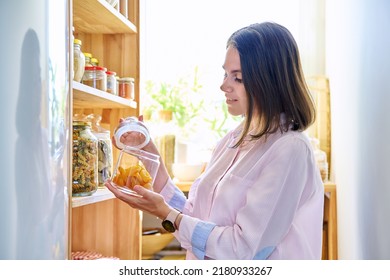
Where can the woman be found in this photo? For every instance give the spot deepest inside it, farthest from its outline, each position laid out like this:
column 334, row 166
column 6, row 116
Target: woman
column 261, row 195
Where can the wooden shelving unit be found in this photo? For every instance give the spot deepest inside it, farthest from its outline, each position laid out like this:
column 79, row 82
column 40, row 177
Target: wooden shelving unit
column 100, row 222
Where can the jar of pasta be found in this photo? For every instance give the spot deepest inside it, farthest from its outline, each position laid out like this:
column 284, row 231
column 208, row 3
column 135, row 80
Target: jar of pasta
column 85, row 160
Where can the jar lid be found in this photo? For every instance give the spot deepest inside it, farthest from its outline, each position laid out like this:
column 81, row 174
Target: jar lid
column 91, row 68
column 111, row 73
column 88, row 54
column 77, row 41
column 100, row 68
column 127, row 79
column 139, row 137
column 81, row 123
column 94, row 60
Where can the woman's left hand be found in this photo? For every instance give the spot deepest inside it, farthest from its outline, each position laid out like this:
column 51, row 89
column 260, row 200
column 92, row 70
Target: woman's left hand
column 146, row 200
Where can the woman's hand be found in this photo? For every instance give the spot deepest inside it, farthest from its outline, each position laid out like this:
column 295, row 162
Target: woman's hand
column 147, row 200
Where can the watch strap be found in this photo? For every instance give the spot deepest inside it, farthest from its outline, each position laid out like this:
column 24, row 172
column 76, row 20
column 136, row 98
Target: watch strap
column 171, row 219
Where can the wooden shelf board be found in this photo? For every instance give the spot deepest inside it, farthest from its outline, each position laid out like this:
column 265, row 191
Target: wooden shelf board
column 88, row 97
column 101, row 194
column 99, row 17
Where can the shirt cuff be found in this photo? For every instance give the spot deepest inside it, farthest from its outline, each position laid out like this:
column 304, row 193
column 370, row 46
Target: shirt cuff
column 199, row 238
column 173, row 196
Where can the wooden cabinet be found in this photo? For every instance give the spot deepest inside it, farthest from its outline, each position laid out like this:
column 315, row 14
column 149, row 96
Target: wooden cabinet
column 101, row 223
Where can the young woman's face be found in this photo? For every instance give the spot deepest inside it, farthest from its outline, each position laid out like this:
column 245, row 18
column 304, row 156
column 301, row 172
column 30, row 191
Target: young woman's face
column 232, row 86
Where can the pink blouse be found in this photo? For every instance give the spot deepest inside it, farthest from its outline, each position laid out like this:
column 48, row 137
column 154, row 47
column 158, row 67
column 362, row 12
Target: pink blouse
column 263, row 200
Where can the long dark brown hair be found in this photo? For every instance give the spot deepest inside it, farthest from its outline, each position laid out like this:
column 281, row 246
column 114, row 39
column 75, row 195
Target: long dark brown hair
column 273, row 79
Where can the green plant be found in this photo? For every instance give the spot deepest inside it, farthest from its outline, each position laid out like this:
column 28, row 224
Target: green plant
column 182, row 98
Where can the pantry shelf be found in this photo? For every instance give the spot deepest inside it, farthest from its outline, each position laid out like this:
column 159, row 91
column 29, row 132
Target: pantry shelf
column 109, row 21
column 86, row 96
column 101, row 194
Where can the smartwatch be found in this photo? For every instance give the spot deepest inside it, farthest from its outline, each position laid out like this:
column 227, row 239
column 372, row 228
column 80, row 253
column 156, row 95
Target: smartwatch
column 169, row 222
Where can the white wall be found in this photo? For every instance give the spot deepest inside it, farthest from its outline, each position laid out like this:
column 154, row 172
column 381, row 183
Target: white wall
column 358, row 66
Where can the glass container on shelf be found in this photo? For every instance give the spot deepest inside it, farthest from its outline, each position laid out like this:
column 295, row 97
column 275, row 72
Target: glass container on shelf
column 165, row 138
column 321, row 159
column 126, row 88
column 88, row 57
column 85, row 160
column 96, row 77
column 111, row 82
column 78, row 60
column 105, row 155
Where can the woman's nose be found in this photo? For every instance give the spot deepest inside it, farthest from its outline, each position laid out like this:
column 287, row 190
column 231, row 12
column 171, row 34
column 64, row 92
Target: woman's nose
column 224, row 87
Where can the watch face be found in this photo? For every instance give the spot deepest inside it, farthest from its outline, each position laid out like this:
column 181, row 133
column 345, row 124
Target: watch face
column 168, row 226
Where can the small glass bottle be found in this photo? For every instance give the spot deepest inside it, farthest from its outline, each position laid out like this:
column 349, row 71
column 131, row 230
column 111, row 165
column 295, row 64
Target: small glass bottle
column 89, row 77
column 126, row 88
column 111, row 82
column 85, row 160
column 96, row 77
column 94, row 61
column 88, row 57
column 78, row 60
column 101, row 78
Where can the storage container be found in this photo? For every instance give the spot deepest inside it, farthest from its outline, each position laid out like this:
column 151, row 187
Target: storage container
column 135, row 167
column 78, row 60
column 126, row 88
column 111, row 82
column 85, row 160
column 105, row 155
column 96, row 77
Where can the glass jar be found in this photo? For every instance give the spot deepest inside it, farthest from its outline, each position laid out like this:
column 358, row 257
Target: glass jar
column 111, row 82
column 78, row 60
column 135, row 167
column 321, row 159
column 105, row 156
column 126, row 88
column 88, row 57
column 94, row 61
column 136, row 133
column 96, row 77
column 85, row 160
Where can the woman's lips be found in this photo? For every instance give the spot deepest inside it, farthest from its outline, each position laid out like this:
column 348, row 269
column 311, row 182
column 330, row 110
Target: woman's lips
column 230, row 100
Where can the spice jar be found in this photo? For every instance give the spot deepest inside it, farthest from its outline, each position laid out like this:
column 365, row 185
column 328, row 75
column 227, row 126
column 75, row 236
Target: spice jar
column 136, row 133
column 88, row 57
column 111, row 82
column 96, row 77
column 85, row 160
column 126, row 88
column 78, row 60
column 94, row 61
